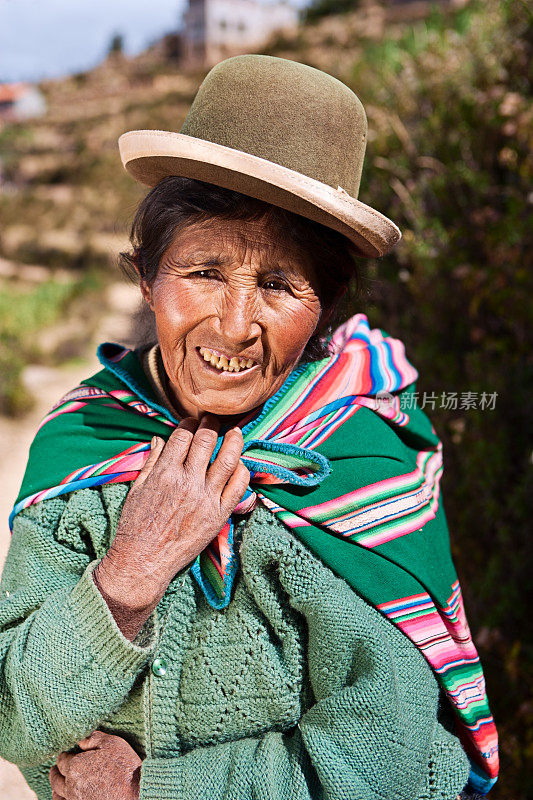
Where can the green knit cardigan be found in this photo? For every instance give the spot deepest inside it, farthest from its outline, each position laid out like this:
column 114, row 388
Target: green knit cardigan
column 298, row 690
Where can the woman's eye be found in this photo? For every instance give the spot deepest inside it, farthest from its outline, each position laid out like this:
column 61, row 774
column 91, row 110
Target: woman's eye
column 272, row 285
column 204, row 273
column 276, row 286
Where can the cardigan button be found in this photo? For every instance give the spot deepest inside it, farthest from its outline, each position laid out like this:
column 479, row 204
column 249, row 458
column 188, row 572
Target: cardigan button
column 159, row 666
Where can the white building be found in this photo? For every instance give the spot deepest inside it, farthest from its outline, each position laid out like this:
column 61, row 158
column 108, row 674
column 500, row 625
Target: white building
column 20, row 101
column 216, row 29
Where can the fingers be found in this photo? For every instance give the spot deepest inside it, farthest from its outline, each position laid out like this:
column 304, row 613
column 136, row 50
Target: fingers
column 191, row 445
column 95, row 739
column 235, row 488
column 202, row 445
column 62, row 762
column 227, row 460
column 156, row 450
column 57, row 783
column 180, row 439
column 178, row 446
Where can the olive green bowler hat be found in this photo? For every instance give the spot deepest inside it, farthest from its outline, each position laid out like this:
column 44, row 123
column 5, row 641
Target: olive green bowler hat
column 277, row 130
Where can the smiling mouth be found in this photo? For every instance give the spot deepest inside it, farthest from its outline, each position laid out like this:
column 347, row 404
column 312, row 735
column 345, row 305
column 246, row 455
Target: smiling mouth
column 222, row 363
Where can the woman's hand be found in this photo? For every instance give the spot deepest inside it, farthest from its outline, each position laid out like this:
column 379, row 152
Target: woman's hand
column 177, row 505
column 107, row 769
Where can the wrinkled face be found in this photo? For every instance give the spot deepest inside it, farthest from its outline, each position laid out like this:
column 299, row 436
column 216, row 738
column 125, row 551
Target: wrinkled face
column 235, row 306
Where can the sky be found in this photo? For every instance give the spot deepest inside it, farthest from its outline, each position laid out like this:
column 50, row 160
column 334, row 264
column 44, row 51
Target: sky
column 50, row 38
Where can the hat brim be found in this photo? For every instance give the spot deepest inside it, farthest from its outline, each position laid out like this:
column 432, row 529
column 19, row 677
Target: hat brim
column 149, row 156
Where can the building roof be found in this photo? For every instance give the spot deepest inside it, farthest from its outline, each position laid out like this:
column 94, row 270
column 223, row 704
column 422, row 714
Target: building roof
column 9, row 92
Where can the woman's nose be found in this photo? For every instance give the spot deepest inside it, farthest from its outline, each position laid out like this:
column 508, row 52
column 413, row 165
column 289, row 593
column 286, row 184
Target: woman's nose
column 239, row 317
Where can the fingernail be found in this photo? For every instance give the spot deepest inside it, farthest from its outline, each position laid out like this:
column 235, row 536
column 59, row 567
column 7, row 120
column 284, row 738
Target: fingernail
column 153, row 442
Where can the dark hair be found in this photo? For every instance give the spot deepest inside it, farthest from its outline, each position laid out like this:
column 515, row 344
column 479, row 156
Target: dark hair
column 176, row 202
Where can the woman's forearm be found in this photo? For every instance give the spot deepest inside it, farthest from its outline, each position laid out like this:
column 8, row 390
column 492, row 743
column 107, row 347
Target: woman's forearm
column 65, row 666
column 126, row 613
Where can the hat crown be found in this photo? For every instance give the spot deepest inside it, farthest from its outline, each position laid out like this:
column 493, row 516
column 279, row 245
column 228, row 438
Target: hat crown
column 286, row 112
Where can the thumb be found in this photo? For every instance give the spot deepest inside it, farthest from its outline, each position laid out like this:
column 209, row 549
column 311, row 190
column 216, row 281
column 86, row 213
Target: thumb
column 95, row 739
column 156, row 448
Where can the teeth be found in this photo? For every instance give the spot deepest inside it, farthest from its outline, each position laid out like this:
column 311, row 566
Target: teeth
column 234, row 364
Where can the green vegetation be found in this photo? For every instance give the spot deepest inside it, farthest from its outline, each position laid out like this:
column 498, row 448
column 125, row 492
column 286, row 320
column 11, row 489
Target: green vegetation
column 24, row 313
column 449, row 160
column 324, row 8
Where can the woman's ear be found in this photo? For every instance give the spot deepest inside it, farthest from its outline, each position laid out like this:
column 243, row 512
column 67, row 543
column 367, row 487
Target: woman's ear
column 146, row 291
column 327, row 313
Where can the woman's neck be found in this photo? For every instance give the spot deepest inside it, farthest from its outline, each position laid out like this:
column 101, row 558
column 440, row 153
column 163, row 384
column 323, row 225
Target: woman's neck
column 155, row 370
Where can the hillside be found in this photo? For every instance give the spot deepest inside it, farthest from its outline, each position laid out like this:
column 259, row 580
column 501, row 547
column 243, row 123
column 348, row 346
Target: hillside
column 67, row 201
column 66, row 205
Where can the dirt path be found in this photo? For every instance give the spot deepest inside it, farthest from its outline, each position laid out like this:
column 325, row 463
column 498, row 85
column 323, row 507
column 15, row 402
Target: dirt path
column 49, row 384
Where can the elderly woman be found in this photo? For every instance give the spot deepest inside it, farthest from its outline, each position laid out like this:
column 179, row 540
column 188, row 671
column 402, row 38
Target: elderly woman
column 230, row 575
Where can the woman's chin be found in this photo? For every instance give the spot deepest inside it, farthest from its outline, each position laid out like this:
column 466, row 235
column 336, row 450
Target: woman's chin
column 233, row 408
column 225, row 400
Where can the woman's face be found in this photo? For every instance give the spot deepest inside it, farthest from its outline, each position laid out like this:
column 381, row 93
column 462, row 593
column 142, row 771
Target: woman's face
column 231, row 289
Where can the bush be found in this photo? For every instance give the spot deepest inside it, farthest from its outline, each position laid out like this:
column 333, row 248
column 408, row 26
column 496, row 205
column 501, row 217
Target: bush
column 324, row 8
column 449, row 107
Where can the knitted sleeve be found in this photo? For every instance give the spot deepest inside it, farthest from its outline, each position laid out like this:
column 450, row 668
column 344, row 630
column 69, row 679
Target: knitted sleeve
column 64, row 663
column 371, row 731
